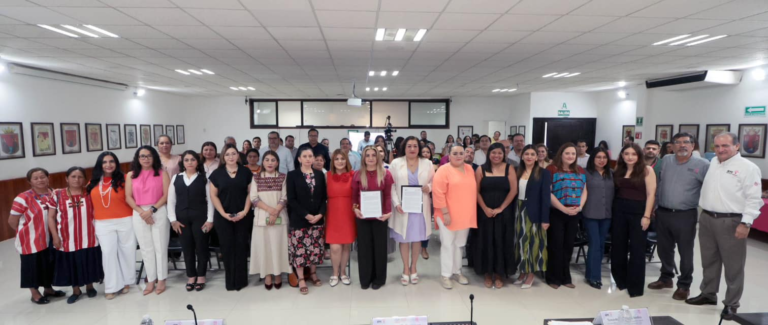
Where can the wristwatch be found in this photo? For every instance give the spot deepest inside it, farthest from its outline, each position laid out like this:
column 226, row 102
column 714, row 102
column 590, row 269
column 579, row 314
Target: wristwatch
column 153, row 209
column 749, row 225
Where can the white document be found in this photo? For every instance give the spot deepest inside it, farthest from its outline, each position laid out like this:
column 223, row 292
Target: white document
column 370, row 204
column 639, row 316
column 411, row 199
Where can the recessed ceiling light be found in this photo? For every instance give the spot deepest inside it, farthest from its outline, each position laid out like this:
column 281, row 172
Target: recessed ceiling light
column 419, row 35
column 622, row 94
column 689, row 40
column 251, row 88
column 233, row 88
column 380, row 34
column 371, row 73
column 400, row 34
column 504, row 90
column 384, row 89
column 495, row 90
column 706, row 40
column 194, row 71
column 511, row 90
column 549, row 75
column 140, row 92
column 80, row 31
column 58, row 30
column 671, row 39
column 182, row 72
column 376, row 89
column 395, row 73
column 101, row 31
column 383, row 73
column 242, row 88
column 562, row 74
column 367, row 88
column 573, row 74
column 207, row 71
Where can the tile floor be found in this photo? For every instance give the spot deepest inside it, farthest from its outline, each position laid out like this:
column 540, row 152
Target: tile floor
column 352, row 305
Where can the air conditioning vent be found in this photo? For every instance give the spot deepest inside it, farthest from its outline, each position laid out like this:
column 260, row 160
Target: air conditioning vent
column 696, row 80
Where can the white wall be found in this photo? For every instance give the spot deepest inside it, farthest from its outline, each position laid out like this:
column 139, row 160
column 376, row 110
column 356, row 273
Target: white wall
column 546, row 104
column 29, row 99
column 612, row 114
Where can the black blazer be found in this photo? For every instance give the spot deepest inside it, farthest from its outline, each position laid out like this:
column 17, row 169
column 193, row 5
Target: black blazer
column 537, row 197
column 301, row 202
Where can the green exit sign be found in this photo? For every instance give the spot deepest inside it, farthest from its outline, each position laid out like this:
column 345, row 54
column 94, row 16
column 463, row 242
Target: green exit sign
column 754, row 111
column 563, row 112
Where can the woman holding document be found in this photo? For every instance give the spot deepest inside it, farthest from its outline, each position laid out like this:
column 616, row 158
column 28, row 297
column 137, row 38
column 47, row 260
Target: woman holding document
column 454, row 192
column 410, row 196
column 372, row 203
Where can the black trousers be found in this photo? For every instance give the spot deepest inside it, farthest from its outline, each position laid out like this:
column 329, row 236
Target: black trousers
column 234, row 240
column 194, row 242
column 372, row 238
column 676, row 228
column 628, row 238
column 561, row 237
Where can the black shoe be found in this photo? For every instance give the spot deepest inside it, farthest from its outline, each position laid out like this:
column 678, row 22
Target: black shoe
column 594, row 284
column 190, row 286
column 600, row 283
column 91, row 293
column 42, row 301
column 73, row 298
column 375, row 286
column 364, row 286
column 199, row 286
column 728, row 313
column 701, row 300
column 55, row 294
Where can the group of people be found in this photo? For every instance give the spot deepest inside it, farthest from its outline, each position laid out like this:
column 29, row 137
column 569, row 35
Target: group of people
column 514, row 209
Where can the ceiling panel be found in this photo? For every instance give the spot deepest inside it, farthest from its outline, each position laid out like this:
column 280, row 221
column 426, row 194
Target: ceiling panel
column 577, row 23
column 346, row 19
column 597, row 38
column 357, row 5
column 506, row 37
column 481, row 6
column 98, row 16
column 36, row 15
column 413, row 6
column 406, row 19
column 285, row 18
column 734, row 10
column 612, row 7
column 449, row 35
column 207, row 4
column 349, row 34
column 216, row 17
column 546, row 7
column 162, row 16
column 523, row 22
column 295, row 33
column 188, row 31
column 686, row 26
column 678, row 8
column 549, row 37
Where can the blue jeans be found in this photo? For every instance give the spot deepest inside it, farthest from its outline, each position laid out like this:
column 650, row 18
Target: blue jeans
column 597, row 231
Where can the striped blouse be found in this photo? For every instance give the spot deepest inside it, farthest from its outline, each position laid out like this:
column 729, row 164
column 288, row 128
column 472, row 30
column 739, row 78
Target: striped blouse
column 568, row 186
column 75, row 220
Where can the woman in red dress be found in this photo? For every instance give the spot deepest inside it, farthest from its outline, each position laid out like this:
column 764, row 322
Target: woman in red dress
column 340, row 229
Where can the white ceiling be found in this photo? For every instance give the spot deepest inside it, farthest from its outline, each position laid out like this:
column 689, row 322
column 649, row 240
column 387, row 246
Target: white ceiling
column 303, row 48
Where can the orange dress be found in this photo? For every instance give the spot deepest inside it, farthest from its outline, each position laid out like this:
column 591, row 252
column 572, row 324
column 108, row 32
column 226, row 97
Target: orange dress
column 340, row 225
column 458, row 192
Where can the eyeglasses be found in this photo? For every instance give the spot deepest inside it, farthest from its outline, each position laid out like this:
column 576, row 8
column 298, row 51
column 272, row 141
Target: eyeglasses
column 145, row 157
column 683, row 142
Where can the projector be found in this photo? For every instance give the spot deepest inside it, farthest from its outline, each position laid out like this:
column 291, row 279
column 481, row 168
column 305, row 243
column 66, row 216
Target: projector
column 355, row 102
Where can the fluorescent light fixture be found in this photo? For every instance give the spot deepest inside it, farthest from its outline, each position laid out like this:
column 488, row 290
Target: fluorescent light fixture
column 549, row 75
column 384, row 89
column 383, row 73
column 140, row 92
column 395, row 73
column 622, row 83
column 242, row 88
column 80, row 31
column 400, row 34
column 495, row 90
column 706, row 40
column 380, row 34
column 371, row 73
column 562, row 74
column 419, row 35
column 367, row 88
column 511, row 90
column 182, row 72
column 194, row 71
column 101, row 31
column 376, row 89
column 758, row 74
column 207, row 71
column 573, row 74
column 58, row 30
column 504, row 90
column 671, row 39
column 233, row 88
column 689, row 40
column 251, row 88
column 622, row 94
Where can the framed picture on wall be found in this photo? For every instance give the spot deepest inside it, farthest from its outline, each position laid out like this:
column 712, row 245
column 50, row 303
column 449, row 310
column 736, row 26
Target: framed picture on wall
column 171, row 132
column 93, row 137
column 465, row 130
column 131, row 136
column 627, row 131
column 664, row 133
column 145, row 133
column 521, row 130
column 43, row 139
column 180, row 139
column 692, row 129
column 113, row 137
column 11, row 140
column 712, row 131
column 70, row 138
column 158, row 130
column 512, row 130
column 752, row 138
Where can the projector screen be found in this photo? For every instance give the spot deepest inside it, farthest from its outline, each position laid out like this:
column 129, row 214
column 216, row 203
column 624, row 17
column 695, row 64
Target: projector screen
column 355, row 137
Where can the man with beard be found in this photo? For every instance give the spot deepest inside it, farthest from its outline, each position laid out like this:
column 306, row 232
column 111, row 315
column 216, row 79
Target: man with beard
column 651, row 153
column 469, row 157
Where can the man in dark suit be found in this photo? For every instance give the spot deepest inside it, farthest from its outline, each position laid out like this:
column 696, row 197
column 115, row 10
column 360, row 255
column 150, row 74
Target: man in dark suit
column 317, row 149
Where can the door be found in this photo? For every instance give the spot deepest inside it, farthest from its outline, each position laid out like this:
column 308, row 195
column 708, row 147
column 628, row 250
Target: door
column 554, row 132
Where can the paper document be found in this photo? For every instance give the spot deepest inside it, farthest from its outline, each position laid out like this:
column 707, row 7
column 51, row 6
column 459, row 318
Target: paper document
column 370, row 204
column 411, row 199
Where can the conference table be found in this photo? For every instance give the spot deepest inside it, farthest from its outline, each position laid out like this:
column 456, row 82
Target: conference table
column 657, row 320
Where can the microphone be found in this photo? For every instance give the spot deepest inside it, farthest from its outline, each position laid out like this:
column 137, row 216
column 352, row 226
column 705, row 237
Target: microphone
column 189, row 307
column 471, row 309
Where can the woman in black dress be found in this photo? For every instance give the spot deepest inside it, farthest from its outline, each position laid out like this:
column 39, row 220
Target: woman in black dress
column 233, row 218
column 494, row 243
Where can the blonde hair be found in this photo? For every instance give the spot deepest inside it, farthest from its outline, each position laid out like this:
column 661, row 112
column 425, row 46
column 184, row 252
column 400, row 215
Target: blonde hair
column 380, row 172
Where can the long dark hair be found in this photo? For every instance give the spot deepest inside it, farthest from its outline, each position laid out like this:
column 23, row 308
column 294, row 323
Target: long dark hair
column 224, row 151
column 488, row 165
column 591, row 168
column 558, row 161
column 637, row 174
column 118, row 179
column 400, row 147
column 421, row 148
column 450, row 137
column 464, row 142
column 207, row 144
column 603, row 145
column 136, row 165
column 418, row 143
column 200, row 167
column 536, row 172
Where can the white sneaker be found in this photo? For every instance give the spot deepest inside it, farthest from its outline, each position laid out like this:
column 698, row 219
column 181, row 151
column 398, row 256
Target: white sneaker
column 461, row 279
column 334, row 281
column 446, row 282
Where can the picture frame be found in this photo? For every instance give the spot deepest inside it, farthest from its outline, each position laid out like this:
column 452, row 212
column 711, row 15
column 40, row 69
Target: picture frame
column 627, row 131
column 158, row 131
column 713, row 130
column 131, row 136
column 114, row 138
column 93, row 137
column 43, row 139
column 180, row 136
column 692, row 129
column 170, row 131
column 512, row 130
column 465, row 130
column 11, row 140
column 145, row 134
column 752, row 140
column 521, row 130
column 70, row 138
column 664, row 132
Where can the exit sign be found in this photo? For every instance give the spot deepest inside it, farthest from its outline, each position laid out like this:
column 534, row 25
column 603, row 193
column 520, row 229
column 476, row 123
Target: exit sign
column 754, row 111
column 563, row 112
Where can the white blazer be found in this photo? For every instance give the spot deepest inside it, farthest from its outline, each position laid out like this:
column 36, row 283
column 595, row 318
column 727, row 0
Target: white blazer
column 399, row 170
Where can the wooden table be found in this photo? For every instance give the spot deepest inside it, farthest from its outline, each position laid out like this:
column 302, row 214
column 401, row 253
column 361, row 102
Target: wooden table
column 657, row 320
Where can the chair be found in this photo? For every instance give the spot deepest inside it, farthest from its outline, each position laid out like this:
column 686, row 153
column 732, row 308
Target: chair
column 651, row 246
column 582, row 240
column 174, row 246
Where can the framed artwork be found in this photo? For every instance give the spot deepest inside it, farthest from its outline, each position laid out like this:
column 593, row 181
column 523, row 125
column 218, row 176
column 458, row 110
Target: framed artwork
column 465, row 130
column 145, row 131
column 93, row 137
column 521, row 130
column 70, row 138
column 11, row 140
column 180, row 139
column 752, row 138
column 43, row 139
column 170, row 131
column 692, row 129
column 131, row 136
column 113, row 137
column 712, row 131
column 627, row 131
column 158, row 128
column 512, row 130
column 664, row 133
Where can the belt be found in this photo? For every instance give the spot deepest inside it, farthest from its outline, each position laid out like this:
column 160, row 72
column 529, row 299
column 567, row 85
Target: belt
column 722, row 215
column 673, row 210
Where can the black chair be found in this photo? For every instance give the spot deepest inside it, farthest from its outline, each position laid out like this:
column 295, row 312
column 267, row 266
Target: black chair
column 582, row 240
column 651, row 246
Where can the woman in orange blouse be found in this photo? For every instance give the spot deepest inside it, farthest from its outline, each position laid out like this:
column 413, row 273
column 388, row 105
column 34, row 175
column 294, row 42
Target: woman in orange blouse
column 454, row 194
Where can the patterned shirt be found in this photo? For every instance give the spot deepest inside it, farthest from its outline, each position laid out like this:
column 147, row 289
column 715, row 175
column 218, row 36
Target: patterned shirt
column 75, row 220
column 310, row 178
column 568, row 186
column 273, row 184
column 32, row 233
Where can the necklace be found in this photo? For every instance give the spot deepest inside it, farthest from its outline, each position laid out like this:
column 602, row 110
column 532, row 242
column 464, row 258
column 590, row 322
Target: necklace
column 103, row 193
column 75, row 203
column 232, row 172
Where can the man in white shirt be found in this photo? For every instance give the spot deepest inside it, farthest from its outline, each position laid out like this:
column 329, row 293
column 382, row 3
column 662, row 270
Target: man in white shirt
column 481, row 152
column 289, row 144
column 286, row 158
column 730, row 199
column 582, row 157
column 353, row 156
column 365, row 142
column 518, row 143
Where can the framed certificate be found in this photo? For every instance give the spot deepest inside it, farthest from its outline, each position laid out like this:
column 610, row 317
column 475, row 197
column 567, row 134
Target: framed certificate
column 411, row 198
column 370, row 204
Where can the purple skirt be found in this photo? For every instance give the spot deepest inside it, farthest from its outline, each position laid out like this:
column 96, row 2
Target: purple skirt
column 416, row 231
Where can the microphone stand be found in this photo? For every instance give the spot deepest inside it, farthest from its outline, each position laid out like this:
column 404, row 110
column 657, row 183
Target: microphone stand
column 193, row 312
column 471, row 309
